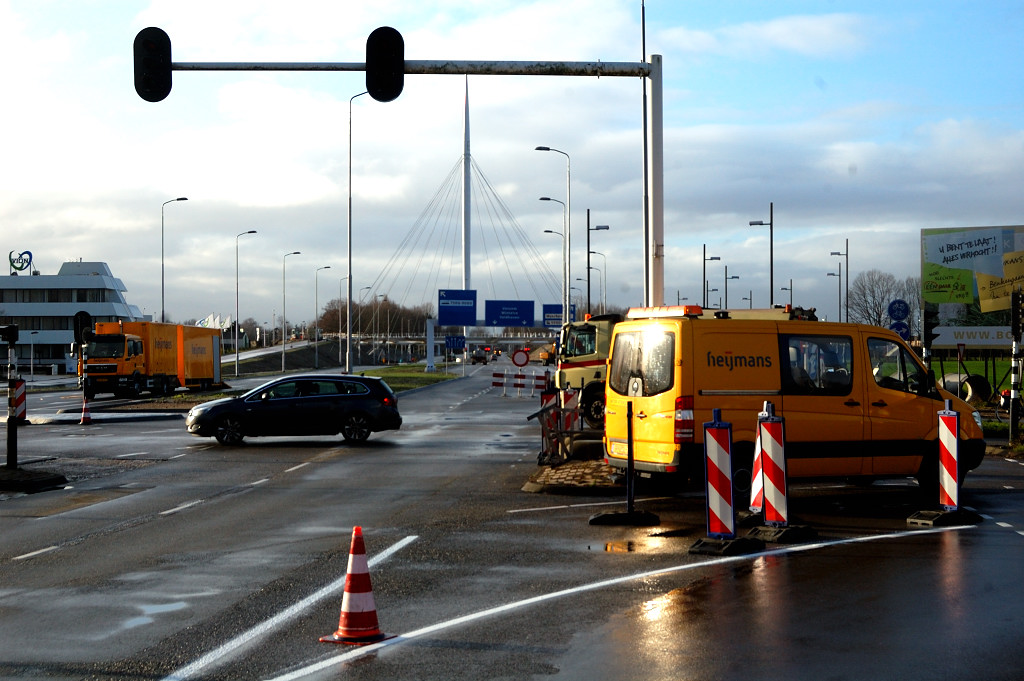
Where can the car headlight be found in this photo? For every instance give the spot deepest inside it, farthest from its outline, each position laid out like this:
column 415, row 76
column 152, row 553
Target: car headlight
column 195, row 412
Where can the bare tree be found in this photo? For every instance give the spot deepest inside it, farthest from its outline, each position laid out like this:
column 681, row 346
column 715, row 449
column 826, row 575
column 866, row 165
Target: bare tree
column 870, row 295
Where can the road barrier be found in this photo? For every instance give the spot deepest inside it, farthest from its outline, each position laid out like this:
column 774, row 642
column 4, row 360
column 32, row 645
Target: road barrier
column 771, row 433
column 358, row 622
column 520, row 381
column 721, row 516
column 949, row 445
column 18, row 401
column 86, row 417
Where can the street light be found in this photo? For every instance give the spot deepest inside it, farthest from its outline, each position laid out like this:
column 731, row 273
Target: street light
column 251, row 231
column 348, row 297
column 32, row 355
column 316, row 315
column 725, row 305
column 163, row 316
column 750, row 297
column 341, row 360
column 790, row 289
column 284, row 306
column 565, row 259
column 567, row 224
column 590, row 229
column 846, row 254
column 708, row 290
column 604, row 281
column 840, row 275
column 704, row 303
column 771, row 250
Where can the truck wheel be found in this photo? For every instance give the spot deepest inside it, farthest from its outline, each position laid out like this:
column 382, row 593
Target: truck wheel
column 229, row 430
column 355, row 428
column 592, row 408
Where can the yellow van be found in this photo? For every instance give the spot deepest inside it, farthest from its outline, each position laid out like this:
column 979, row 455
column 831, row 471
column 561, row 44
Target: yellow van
column 858, row 402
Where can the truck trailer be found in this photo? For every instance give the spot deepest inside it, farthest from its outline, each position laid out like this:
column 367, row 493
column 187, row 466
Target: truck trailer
column 128, row 358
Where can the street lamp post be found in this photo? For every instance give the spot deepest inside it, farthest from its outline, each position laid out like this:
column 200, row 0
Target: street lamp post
column 840, row 275
column 32, row 355
column 750, row 298
column 316, row 315
column 771, row 250
column 568, row 225
column 708, row 290
column 251, row 231
column 284, row 305
column 348, row 297
column 725, row 305
column 590, row 229
column 790, row 289
column 565, row 260
column 163, row 316
column 604, row 281
column 846, row 254
column 704, row 303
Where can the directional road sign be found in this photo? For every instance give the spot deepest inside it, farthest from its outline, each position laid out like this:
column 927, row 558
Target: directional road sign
column 508, row 312
column 456, row 307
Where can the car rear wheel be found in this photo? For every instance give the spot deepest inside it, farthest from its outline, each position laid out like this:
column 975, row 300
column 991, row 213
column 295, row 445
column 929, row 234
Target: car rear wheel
column 355, row 428
column 229, row 430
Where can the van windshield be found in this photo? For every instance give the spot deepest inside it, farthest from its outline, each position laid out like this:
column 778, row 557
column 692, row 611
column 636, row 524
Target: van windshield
column 642, row 362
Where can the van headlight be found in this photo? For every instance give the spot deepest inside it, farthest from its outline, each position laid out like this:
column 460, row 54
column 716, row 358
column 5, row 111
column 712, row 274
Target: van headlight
column 977, row 417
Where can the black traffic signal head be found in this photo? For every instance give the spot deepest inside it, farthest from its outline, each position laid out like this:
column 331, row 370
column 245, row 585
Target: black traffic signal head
column 9, row 334
column 1016, row 318
column 930, row 318
column 152, row 64
column 385, row 64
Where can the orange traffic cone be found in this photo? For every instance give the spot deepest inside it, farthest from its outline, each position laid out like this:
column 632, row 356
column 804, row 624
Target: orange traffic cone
column 86, row 418
column 358, row 623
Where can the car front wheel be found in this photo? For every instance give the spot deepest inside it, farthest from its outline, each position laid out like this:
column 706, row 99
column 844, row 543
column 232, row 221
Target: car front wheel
column 229, row 430
column 355, row 428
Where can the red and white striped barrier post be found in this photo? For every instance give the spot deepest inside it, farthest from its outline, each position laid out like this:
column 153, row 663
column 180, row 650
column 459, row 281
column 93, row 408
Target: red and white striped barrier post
column 20, row 408
column 756, row 477
column 519, row 382
column 949, row 445
column 498, row 381
column 721, row 518
column 771, row 432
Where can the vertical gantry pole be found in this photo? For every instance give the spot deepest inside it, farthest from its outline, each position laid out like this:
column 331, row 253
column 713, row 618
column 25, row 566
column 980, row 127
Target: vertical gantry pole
column 655, row 264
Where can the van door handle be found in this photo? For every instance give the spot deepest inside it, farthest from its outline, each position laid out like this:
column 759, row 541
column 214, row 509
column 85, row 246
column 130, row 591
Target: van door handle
column 852, row 403
column 879, row 403
column 641, row 415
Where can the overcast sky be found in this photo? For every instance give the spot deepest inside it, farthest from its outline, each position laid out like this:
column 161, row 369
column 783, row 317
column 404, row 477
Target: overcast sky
column 866, row 121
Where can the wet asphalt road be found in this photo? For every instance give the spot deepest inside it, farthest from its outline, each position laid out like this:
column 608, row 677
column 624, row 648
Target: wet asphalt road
column 173, row 557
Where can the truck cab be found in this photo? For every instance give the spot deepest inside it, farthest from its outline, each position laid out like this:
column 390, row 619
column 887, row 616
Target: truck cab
column 582, row 353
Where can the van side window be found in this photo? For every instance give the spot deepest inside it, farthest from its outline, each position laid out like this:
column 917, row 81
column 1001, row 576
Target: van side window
column 643, row 358
column 894, row 367
column 818, row 365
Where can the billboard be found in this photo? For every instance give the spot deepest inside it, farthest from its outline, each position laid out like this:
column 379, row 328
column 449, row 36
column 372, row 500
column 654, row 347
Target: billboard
column 969, row 272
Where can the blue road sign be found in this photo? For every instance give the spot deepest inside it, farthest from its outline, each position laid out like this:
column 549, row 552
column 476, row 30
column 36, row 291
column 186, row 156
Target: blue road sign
column 456, row 307
column 508, row 312
column 552, row 316
column 902, row 329
column 455, row 342
column 899, row 310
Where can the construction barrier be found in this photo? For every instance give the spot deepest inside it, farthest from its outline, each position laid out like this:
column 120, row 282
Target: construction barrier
column 18, row 401
column 949, row 445
column 721, row 516
column 358, row 623
column 771, row 433
column 520, row 381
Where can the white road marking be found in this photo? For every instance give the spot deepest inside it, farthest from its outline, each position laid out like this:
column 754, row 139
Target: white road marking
column 595, row 503
column 35, row 553
column 295, row 468
column 182, row 507
column 440, row 626
column 299, row 608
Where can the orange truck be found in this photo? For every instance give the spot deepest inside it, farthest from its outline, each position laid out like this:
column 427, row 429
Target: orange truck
column 128, row 358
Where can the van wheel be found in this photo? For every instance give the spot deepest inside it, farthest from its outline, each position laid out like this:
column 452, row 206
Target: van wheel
column 928, row 477
column 742, row 473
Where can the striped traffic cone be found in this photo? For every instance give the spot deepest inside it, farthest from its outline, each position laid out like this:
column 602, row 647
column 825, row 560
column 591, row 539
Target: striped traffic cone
column 358, row 622
column 86, row 418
